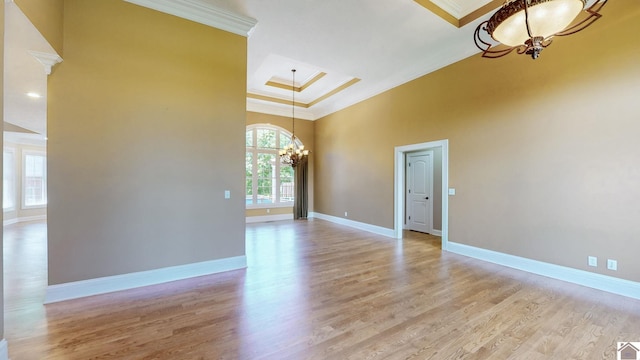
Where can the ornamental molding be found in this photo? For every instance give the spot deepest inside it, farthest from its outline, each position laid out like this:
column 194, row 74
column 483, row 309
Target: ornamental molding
column 203, row 13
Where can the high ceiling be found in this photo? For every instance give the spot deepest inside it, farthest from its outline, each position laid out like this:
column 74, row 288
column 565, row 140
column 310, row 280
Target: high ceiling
column 364, row 47
column 24, row 116
column 344, row 51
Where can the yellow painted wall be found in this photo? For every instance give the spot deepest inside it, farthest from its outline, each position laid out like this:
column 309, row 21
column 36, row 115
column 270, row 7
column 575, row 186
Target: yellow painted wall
column 146, row 123
column 47, row 16
column 304, row 132
column 544, row 154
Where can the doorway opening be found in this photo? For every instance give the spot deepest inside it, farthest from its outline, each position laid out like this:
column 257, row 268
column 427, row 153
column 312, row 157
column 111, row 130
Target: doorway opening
column 400, row 185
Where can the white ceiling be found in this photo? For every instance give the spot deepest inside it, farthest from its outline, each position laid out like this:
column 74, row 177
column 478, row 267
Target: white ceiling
column 363, row 48
column 23, row 74
column 384, row 43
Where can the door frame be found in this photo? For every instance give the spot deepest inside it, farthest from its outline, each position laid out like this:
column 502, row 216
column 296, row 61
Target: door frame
column 430, row 153
column 400, row 184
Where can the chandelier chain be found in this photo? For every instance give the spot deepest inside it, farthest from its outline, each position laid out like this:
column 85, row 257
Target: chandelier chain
column 293, row 154
column 293, row 104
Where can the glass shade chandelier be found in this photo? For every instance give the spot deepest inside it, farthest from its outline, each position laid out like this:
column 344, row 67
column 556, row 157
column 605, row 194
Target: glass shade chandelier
column 293, row 153
column 528, row 26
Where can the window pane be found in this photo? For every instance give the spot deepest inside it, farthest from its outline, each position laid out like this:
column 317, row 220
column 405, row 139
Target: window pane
column 266, row 178
column 249, row 181
column 8, row 181
column 35, row 191
column 249, row 138
column 266, row 138
column 284, row 140
column 286, row 184
column 267, row 181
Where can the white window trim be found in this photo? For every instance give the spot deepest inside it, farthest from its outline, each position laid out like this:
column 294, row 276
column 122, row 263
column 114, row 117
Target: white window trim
column 275, row 151
column 11, row 150
column 24, row 179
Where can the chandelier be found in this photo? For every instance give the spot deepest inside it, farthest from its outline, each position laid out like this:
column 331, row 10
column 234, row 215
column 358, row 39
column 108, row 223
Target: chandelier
column 293, row 153
column 528, row 26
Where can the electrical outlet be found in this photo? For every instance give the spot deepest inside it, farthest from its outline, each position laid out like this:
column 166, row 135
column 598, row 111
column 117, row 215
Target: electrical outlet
column 268, row 211
column 612, row 265
column 345, row 214
column 593, row 261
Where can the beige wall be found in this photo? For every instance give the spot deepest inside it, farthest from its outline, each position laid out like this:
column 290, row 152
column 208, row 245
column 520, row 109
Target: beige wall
column 146, row 124
column 544, row 154
column 304, row 132
column 18, row 212
column 47, row 16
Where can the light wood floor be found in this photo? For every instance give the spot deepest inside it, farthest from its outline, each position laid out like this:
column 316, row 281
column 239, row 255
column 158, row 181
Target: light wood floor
column 316, row 290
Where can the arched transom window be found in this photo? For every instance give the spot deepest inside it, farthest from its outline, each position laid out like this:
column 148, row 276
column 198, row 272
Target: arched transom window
column 268, row 182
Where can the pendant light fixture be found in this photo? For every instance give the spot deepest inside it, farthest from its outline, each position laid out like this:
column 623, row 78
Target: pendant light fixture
column 293, row 153
column 528, row 26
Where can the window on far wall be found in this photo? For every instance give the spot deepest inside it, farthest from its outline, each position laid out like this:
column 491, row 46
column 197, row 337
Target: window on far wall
column 8, row 180
column 34, row 180
column 269, row 183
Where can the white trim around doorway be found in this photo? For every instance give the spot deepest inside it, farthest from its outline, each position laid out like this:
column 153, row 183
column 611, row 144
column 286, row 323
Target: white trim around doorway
column 399, row 186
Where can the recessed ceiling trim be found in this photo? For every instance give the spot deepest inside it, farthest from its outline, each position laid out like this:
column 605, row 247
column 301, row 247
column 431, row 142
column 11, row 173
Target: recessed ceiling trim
column 301, row 104
column 476, row 14
column 203, row 13
column 258, row 106
column 464, row 20
column 297, row 88
column 335, row 91
column 440, row 12
column 276, row 100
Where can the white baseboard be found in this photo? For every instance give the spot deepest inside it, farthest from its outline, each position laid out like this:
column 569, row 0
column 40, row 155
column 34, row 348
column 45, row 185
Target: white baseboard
column 78, row 289
column 267, row 218
column 355, row 224
column 23, row 219
column 10, row 222
column 597, row 281
column 4, row 350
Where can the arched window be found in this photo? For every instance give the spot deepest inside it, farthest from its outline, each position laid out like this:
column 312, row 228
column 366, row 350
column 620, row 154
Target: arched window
column 268, row 183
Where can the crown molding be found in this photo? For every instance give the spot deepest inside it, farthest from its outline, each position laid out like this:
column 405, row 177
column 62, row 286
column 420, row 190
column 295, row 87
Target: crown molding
column 265, row 107
column 46, row 59
column 203, row 13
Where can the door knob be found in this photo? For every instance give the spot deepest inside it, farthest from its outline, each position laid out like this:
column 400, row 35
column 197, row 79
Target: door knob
column 427, row 198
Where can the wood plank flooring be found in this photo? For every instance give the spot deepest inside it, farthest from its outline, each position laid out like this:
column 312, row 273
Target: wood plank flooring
column 317, row 290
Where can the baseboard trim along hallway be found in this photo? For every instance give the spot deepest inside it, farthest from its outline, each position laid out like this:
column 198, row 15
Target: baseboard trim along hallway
column 355, row 224
column 580, row 277
column 23, row 219
column 596, row 281
column 78, row 289
column 268, row 218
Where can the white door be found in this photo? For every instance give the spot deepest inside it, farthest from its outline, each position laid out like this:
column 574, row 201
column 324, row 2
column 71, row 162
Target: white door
column 419, row 214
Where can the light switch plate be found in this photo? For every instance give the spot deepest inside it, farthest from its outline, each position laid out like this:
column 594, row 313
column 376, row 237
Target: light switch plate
column 227, row 194
column 452, row 191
